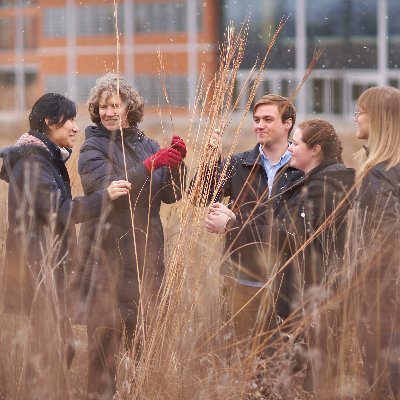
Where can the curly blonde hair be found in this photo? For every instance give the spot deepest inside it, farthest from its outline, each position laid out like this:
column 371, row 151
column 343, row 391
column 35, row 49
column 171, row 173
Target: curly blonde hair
column 114, row 83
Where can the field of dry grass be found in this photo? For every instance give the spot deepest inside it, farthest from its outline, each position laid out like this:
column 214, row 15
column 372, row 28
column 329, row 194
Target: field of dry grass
column 199, row 358
column 188, row 349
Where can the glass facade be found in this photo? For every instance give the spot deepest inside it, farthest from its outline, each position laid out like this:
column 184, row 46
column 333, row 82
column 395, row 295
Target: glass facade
column 360, row 40
column 54, row 22
column 97, row 19
column 160, row 17
column 11, row 3
column 345, row 29
column 263, row 18
column 151, row 90
column 394, row 33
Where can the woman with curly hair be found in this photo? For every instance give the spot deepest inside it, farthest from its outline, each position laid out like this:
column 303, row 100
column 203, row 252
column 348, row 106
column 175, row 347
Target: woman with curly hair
column 122, row 261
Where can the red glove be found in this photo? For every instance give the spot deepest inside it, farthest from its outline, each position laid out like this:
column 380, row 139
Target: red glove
column 167, row 157
column 178, row 144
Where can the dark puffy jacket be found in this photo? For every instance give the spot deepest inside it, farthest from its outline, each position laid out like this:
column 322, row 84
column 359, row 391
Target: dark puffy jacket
column 111, row 254
column 246, row 185
column 298, row 209
column 39, row 198
column 299, row 212
column 376, row 279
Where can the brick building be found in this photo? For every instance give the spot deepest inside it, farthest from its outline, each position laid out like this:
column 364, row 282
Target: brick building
column 64, row 45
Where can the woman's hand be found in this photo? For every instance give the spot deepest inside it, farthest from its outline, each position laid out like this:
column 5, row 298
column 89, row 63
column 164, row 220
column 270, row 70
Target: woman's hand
column 217, row 217
column 118, row 189
column 166, row 157
column 178, row 144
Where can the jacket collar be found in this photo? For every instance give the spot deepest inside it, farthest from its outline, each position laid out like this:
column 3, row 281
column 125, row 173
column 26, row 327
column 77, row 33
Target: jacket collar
column 131, row 134
column 254, row 157
column 54, row 150
column 321, row 166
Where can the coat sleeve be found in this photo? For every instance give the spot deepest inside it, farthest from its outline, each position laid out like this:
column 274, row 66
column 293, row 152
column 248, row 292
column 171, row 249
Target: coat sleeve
column 97, row 171
column 33, row 183
column 378, row 199
column 297, row 218
column 173, row 184
column 214, row 180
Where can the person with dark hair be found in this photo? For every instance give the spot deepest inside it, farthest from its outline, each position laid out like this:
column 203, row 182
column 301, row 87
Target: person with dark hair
column 122, row 257
column 41, row 243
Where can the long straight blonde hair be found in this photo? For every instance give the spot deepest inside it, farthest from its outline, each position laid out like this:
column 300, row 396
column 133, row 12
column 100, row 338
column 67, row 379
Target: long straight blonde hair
column 383, row 107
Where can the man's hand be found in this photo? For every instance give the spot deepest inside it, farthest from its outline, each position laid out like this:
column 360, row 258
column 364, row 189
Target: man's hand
column 219, row 207
column 216, row 141
column 217, row 217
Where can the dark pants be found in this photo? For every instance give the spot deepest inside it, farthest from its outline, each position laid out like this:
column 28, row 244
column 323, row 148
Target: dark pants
column 103, row 346
column 105, row 331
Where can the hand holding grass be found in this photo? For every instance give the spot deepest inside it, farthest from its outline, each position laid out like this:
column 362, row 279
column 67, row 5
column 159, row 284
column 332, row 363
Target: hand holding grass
column 118, row 189
column 167, row 157
column 178, row 144
column 217, row 217
column 216, row 140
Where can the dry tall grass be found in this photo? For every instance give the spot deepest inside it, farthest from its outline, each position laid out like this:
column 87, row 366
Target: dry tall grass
column 188, row 348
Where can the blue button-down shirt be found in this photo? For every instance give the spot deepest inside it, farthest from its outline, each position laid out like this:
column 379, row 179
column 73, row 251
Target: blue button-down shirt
column 271, row 169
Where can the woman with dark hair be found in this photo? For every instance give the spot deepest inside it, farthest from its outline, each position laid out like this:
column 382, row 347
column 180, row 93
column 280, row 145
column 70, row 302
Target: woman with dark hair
column 122, row 257
column 375, row 295
column 41, row 243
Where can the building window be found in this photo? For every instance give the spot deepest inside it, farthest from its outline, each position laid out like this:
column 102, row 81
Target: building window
column 95, row 20
column 30, row 32
column 55, row 84
column 262, row 22
column 7, row 87
column 151, row 90
column 83, row 85
column 345, row 29
column 394, row 33
column 54, row 24
column 7, row 37
column 160, row 17
column 11, row 3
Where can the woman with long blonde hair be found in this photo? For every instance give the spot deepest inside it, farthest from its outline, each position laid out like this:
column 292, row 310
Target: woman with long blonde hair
column 378, row 216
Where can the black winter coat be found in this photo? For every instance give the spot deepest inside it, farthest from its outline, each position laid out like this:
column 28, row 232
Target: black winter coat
column 110, row 253
column 377, row 276
column 246, row 185
column 299, row 212
column 39, row 198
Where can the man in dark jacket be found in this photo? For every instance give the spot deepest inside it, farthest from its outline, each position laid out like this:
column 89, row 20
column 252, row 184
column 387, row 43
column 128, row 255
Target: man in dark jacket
column 253, row 181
